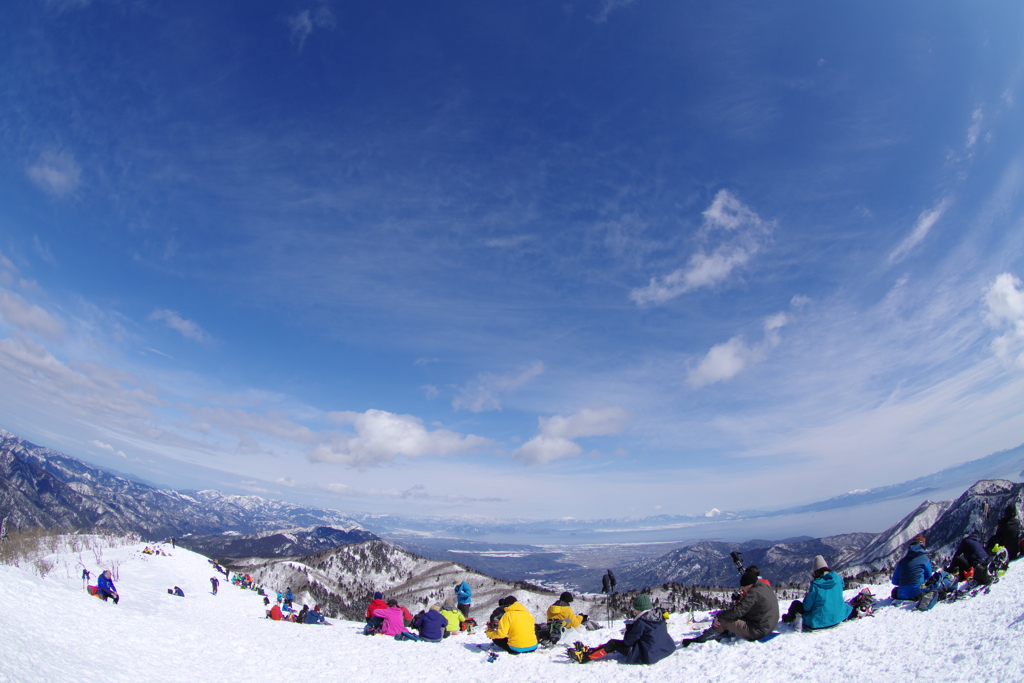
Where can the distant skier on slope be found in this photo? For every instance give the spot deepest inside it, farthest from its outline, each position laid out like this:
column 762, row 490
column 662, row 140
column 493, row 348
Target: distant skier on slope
column 105, row 586
column 464, row 596
column 912, row 571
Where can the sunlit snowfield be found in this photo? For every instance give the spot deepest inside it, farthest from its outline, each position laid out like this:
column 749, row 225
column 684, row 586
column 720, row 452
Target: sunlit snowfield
column 62, row 634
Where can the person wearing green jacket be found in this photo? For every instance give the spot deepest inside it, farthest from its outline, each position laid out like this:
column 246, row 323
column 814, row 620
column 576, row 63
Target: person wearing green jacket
column 823, row 606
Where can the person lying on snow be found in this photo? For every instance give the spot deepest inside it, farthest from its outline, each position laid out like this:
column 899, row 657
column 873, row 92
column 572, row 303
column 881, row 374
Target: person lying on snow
column 105, row 587
column 454, row 616
column 823, row 606
column 432, row 625
column 515, row 632
column 752, row 618
column 646, row 640
column 912, row 571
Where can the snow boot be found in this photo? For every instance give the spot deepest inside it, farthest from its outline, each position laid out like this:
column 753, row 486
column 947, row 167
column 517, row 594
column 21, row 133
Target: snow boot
column 708, row 635
column 596, row 654
column 578, row 652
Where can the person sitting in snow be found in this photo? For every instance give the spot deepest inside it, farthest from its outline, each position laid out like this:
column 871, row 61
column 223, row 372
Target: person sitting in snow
column 1008, row 533
column 313, row 616
column 455, row 617
column 377, row 603
column 515, row 632
column 275, row 613
column 912, row 571
column 300, row 618
column 393, row 621
column 433, row 627
column 646, row 640
column 971, row 554
column 752, row 618
column 823, row 606
column 105, row 587
column 561, row 611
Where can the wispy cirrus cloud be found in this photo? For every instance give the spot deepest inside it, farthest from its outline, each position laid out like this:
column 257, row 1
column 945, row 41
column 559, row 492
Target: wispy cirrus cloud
column 417, row 492
column 557, row 433
column 188, row 328
column 28, row 317
column 726, row 360
column 740, row 234
column 484, row 392
column 108, row 447
column 922, row 226
column 56, row 173
column 303, row 23
column 607, row 7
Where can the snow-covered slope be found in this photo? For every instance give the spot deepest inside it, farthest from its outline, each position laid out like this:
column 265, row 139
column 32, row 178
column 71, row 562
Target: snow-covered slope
column 62, row 634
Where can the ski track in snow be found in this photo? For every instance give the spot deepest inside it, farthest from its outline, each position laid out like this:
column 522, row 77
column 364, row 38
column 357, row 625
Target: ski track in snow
column 63, row 634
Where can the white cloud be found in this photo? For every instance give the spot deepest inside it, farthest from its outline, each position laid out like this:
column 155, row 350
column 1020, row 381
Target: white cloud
column 974, row 130
column 607, row 7
column 745, row 235
column 555, row 440
column 28, row 317
column 108, row 447
column 483, row 393
column 188, row 328
column 303, row 23
column 726, row 360
column 799, row 301
column 381, row 437
column 1005, row 303
column 56, row 173
column 924, row 223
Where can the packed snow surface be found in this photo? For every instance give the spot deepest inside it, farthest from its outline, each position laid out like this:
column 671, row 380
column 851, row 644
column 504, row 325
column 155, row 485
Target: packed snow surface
column 63, row 634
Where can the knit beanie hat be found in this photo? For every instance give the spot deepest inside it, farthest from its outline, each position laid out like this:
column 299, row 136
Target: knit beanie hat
column 378, row 596
column 392, row 603
column 748, row 578
column 506, row 601
column 918, row 539
column 819, row 563
column 642, row 602
column 565, row 597
column 436, row 607
column 448, row 605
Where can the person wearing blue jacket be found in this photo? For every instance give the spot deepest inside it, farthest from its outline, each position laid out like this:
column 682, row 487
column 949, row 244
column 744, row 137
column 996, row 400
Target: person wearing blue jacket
column 105, row 587
column 464, row 596
column 912, row 571
column 823, row 606
column 646, row 640
column 432, row 625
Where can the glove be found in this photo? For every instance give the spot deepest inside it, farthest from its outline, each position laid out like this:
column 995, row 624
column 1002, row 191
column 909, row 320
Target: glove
column 585, row 617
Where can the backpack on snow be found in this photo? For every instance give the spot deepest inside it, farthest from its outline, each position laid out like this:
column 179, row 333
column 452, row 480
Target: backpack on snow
column 934, row 589
column 999, row 562
column 862, row 604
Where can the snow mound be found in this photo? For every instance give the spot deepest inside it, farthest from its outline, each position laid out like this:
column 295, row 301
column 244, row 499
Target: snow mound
column 65, row 635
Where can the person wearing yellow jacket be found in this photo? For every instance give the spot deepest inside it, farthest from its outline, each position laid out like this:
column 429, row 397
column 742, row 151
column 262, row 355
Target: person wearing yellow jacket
column 560, row 611
column 516, row 632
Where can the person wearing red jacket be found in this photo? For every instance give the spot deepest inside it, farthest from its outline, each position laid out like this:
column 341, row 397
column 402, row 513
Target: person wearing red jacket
column 373, row 622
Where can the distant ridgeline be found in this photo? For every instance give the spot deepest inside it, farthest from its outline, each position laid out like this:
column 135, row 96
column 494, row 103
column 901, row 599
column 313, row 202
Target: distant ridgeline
column 332, row 559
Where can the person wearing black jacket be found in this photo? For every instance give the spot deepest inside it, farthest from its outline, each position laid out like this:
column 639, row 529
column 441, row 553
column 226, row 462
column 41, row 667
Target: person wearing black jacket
column 1008, row 532
column 752, row 618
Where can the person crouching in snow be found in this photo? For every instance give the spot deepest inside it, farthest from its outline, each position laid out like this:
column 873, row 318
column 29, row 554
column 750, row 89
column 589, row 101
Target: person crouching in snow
column 752, row 618
column 823, row 606
column 516, row 632
column 912, row 571
column 105, row 587
column 646, row 640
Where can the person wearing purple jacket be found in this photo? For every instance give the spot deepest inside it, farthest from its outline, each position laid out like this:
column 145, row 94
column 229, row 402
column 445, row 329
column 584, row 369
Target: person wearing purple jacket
column 432, row 625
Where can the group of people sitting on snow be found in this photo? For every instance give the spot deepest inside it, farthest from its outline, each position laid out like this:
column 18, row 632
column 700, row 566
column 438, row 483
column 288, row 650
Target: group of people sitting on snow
column 303, row 616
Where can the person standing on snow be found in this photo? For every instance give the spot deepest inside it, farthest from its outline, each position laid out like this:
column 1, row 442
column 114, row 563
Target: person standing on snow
column 214, row 583
column 464, row 597
column 823, row 606
column 912, row 571
column 1008, row 532
column 646, row 640
column 105, row 587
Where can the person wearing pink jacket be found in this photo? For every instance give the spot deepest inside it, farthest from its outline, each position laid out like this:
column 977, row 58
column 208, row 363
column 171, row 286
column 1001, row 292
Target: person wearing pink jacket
column 394, row 621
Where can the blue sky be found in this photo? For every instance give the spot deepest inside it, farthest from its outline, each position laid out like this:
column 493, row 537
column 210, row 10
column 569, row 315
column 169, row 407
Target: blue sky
column 601, row 258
